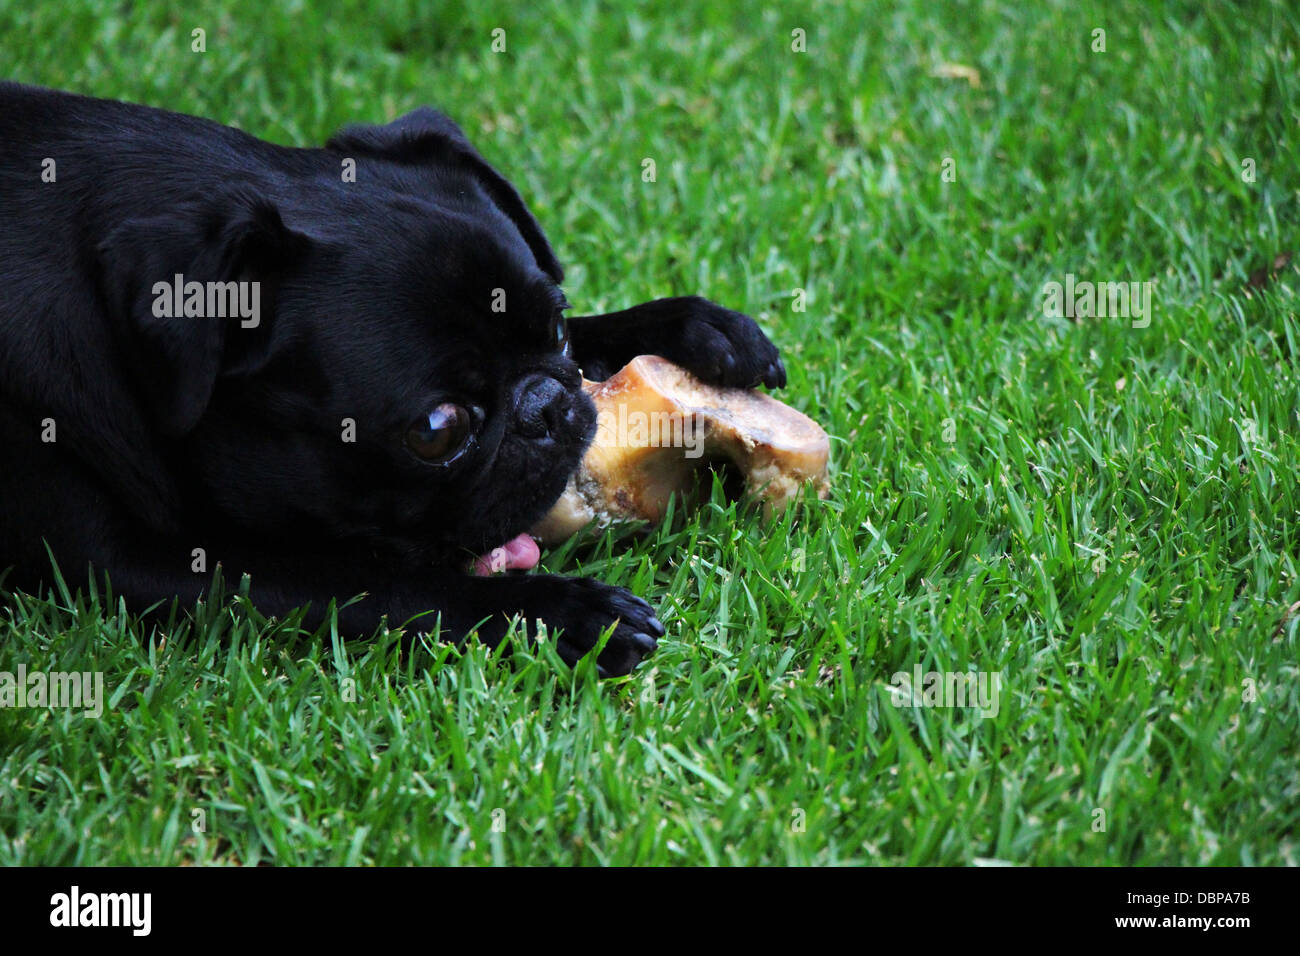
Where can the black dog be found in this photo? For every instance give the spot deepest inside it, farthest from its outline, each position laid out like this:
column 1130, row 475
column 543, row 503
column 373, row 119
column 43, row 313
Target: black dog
column 340, row 370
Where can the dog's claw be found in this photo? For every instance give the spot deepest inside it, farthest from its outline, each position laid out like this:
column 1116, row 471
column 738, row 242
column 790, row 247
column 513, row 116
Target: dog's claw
column 775, row 375
column 646, row 643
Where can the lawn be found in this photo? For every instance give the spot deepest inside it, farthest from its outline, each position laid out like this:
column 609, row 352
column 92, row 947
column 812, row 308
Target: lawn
column 1101, row 513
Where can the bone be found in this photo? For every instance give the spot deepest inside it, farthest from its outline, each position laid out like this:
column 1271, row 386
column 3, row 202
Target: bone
column 657, row 425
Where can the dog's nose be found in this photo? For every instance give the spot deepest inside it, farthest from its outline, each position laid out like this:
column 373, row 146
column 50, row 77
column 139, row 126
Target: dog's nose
column 542, row 406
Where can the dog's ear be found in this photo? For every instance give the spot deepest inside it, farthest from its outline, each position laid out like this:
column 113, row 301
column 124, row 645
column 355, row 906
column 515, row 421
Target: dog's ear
column 236, row 239
column 426, row 135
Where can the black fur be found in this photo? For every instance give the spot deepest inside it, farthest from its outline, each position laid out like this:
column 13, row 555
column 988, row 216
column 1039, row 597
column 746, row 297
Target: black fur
column 176, row 433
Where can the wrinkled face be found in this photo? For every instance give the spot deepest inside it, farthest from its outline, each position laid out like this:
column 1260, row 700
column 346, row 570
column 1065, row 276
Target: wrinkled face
column 418, row 400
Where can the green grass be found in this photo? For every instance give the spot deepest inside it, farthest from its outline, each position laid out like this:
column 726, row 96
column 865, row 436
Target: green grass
column 1106, row 515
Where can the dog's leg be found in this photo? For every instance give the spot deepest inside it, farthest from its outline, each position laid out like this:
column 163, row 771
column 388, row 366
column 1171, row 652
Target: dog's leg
column 717, row 345
column 151, row 573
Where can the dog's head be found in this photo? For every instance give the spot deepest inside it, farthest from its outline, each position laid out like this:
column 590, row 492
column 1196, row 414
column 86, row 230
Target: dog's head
column 399, row 376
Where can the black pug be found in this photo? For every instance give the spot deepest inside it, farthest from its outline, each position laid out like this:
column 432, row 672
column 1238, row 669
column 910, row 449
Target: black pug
column 341, row 371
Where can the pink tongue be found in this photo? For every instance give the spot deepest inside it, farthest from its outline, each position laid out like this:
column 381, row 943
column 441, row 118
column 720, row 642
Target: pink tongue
column 521, row 552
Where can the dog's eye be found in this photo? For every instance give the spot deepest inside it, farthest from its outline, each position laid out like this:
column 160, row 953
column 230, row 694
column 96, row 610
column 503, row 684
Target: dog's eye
column 442, row 436
column 560, row 333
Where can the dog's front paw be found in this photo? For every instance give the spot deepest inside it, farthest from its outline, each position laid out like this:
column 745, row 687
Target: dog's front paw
column 723, row 347
column 581, row 609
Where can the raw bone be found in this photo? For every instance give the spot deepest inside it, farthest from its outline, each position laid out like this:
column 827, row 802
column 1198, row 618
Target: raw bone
column 657, row 425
